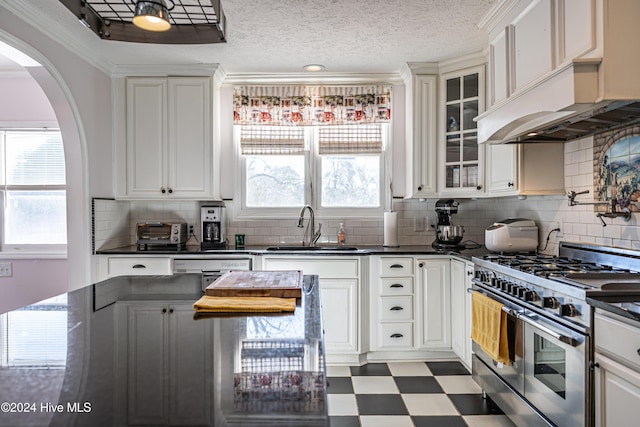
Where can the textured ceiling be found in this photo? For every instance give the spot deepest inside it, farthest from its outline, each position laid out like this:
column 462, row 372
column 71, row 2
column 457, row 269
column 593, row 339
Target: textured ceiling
column 268, row 36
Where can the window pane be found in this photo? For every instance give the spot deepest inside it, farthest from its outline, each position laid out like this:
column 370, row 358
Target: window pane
column 34, row 158
column 35, row 217
column 350, row 181
column 274, row 181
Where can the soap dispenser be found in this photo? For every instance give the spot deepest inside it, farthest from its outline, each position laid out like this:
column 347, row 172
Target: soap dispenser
column 341, row 234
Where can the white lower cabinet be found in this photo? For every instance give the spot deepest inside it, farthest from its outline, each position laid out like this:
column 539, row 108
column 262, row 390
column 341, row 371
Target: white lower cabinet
column 617, row 372
column 434, row 280
column 340, row 297
column 461, row 280
column 148, row 385
column 409, row 307
column 391, row 303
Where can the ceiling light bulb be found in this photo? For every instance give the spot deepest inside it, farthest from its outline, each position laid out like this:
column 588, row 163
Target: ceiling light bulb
column 313, row 67
column 152, row 15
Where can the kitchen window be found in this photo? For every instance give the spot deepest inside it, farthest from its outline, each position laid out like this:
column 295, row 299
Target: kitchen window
column 32, row 191
column 339, row 170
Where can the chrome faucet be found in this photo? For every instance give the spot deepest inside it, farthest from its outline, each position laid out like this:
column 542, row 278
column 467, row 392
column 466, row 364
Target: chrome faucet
column 311, row 227
column 625, row 213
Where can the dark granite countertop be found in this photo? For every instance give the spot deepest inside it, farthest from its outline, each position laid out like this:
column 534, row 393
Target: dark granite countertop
column 130, row 351
column 624, row 305
column 427, row 250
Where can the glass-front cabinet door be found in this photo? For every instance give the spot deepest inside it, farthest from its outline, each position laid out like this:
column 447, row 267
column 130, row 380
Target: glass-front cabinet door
column 461, row 158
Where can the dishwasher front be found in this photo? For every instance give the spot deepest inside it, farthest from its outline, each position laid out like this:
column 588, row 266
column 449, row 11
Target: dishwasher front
column 211, row 268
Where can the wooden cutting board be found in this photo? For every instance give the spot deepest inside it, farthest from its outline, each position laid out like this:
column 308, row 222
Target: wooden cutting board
column 283, row 284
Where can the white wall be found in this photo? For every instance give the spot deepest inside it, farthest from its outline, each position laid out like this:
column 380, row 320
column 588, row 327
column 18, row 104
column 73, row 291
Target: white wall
column 80, row 95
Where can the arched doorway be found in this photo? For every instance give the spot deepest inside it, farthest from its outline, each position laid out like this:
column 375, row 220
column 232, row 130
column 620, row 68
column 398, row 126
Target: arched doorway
column 36, row 280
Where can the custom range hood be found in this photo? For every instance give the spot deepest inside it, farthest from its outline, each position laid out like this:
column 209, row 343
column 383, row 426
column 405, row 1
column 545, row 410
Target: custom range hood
column 582, row 99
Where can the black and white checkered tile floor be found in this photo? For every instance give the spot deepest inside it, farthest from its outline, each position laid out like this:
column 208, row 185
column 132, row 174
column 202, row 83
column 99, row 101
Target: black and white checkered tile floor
column 411, row 394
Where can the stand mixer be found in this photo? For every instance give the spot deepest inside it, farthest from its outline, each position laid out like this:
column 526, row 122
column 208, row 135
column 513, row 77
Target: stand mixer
column 447, row 234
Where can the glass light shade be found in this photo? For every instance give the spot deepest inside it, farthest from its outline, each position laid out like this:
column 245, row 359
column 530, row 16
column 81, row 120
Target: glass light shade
column 152, row 15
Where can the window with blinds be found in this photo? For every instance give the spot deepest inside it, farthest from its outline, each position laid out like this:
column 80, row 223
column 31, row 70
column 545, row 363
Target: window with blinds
column 33, row 190
column 35, row 336
column 338, row 169
column 271, row 140
column 363, row 139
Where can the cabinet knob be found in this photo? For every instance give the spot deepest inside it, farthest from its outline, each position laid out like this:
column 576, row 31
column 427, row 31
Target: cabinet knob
column 164, row 310
column 478, row 187
column 163, row 190
column 510, row 184
column 396, row 335
column 396, row 308
column 419, row 187
column 170, row 310
column 469, row 273
column 170, row 190
column 421, row 265
column 397, row 285
column 638, row 351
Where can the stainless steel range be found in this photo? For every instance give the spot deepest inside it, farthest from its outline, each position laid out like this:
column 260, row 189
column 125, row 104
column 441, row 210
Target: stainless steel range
column 548, row 380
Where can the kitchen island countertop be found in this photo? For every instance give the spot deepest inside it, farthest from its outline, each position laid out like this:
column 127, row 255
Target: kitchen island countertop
column 129, row 351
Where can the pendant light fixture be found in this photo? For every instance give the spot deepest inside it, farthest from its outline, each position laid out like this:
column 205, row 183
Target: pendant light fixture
column 152, row 15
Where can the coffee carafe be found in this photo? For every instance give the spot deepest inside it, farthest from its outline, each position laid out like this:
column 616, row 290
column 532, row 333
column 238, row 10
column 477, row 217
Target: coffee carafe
column 447, row 234
column 213, row 226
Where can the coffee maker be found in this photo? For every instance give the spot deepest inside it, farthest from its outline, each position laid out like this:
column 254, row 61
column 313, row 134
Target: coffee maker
column 213, row 230
column 447, row 234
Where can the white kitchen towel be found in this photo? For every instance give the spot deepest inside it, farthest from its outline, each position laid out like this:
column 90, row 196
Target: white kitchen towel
column 391, row 229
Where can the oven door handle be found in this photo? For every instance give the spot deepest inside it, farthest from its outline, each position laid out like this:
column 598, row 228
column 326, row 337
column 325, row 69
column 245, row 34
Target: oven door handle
column 573, row 342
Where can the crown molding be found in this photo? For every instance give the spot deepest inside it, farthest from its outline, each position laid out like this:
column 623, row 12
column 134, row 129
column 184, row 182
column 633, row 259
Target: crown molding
column 495, row 14
column 320, row 79
column 49, row 28
column 163, row 70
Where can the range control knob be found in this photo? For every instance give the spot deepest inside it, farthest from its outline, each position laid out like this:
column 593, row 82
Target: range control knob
column 531, row 296
column 550, row 302
column 515, row 290
column 522, row 291
column 569, row 310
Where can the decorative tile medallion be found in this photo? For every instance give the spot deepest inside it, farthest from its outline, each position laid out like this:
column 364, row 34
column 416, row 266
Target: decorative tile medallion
column 616, row 172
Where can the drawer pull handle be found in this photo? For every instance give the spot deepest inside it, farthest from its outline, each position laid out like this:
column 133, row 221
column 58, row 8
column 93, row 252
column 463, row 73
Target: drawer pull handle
column 396, row 308
column 396, row 335
column 397, row 285
column 139, row 266
column 396, row 266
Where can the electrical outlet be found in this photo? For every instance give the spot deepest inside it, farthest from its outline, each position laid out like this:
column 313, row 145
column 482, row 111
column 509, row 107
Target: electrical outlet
column 559, row 225
column 6, row 269
column 418, row 223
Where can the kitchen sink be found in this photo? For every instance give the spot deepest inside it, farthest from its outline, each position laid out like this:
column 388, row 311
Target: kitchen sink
column 311, row 248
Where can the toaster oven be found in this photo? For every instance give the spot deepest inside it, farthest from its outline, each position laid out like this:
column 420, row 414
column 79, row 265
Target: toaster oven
column 161, row 234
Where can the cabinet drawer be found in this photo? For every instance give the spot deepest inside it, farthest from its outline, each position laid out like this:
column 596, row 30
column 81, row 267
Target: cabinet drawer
column 618, row 339
column 396, row 266
column 395, row 335
column 140, row 266
column 396, row 286
column 396, row 309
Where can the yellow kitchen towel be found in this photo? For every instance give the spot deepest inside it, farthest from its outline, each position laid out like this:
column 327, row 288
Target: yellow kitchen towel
column 208, row 304
column 489, row 327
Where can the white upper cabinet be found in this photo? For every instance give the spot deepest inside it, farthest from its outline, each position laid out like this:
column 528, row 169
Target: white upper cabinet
column 532, row 43
column 461, row 159
column 167, row 148
column 525, row 169
column 421, row 133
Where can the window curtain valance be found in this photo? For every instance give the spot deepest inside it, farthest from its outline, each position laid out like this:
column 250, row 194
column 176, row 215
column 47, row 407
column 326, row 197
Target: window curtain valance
column 311, row 105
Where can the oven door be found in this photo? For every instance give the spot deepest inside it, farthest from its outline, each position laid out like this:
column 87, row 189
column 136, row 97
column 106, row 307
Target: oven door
column 555, row 370
column 512, row 374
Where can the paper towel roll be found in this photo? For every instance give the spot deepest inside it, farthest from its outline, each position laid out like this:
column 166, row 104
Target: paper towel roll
column 391, row 229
